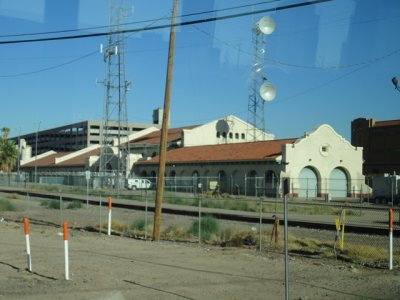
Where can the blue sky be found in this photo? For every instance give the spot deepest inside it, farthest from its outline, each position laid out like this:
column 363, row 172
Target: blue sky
column 330, row 63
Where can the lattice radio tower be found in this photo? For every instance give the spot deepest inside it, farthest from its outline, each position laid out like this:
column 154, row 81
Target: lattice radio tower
column 113, row 166
column 260, row 90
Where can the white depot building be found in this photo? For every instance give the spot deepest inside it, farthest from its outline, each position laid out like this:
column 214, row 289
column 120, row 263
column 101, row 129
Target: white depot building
column 319, row 164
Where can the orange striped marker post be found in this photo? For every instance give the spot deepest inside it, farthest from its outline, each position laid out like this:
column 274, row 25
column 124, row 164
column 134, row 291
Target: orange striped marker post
column 109, row 215
column 390, row 239
column 28, row 245
column 66, row 256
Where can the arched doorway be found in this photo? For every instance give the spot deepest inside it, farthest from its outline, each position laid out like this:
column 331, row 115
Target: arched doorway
column 223, row 181
column 338, row 186
column 251, row 183
column 308, row 183
column 195, row 181
column 271, row 184
column 236, row 183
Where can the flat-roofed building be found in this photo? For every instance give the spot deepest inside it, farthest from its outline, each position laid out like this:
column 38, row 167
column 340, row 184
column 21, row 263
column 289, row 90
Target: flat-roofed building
column 381, row 143
column 76, row 136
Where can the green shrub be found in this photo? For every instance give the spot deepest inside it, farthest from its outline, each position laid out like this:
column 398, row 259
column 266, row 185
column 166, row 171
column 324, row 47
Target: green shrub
column 74, row 204
column 140, row 224
column 6, row 205
column 13, row 196
column 209, row 228
column 53, row 204
column 174, row 233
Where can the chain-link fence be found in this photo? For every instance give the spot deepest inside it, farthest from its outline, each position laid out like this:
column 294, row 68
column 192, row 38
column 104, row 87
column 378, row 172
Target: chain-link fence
column 349, row 229
column 386, row 189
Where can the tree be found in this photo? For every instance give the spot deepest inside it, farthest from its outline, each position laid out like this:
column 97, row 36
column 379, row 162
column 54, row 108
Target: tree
column 8, row 152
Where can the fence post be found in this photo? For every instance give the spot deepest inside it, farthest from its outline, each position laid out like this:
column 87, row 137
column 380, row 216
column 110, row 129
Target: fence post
column 260, row 226
column 390, row 238
column 109, row 215
column 200, row 220
column 145, row 214
column 307, row 189
column 100, row 214
column 245, row 184
column 61, row 207
column 286, row 235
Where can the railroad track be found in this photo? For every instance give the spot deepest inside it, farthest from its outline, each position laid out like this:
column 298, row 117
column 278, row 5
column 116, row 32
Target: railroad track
column 249, row 217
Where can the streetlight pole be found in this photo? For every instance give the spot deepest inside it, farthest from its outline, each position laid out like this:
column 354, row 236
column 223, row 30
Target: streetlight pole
column 36, row 151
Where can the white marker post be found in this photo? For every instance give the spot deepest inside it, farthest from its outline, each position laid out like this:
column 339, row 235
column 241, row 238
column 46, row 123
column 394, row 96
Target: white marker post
column 109, row 215
column 390, row 239
column 66, row 256
column 28, row 246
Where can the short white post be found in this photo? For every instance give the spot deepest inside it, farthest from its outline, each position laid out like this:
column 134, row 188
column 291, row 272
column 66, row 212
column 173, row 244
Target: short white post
column 28, row 245
column 390, row 239
column 66, row 256
column 109, row 215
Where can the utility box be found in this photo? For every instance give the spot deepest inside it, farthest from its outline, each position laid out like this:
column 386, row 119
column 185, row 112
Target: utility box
column 385, row 188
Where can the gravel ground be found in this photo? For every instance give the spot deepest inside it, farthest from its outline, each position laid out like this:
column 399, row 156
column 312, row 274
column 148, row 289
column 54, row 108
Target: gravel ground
column 115, row 267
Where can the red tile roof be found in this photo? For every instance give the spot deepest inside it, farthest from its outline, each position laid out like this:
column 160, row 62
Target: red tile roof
column 49, row 161
column 174, row 134
column 79, row 160
column 257, row 151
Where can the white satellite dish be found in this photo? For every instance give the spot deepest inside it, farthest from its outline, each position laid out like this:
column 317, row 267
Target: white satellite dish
column 266, row 25
column 267, row 91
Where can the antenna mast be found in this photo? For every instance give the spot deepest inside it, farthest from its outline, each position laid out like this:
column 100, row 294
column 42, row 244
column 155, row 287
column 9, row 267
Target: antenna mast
column 260, row 91
column 115, row 130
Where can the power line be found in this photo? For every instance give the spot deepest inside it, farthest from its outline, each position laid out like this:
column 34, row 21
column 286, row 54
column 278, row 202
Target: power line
column 49, row 68
column 206, row 20
column 333, row 67
column 59, row 65
column 139, row 22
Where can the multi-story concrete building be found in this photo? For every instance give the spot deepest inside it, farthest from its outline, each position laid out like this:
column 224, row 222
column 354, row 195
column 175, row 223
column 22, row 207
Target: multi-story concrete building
column 79, row 135
column 381, row 143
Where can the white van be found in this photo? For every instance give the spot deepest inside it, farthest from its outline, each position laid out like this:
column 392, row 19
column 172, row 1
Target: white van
column 137, row 184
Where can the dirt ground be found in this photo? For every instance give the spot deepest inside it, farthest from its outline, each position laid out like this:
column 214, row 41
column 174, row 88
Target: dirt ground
column 116, row 268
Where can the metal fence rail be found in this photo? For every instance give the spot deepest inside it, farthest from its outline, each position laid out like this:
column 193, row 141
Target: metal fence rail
column 258, row 186
column 348, row 227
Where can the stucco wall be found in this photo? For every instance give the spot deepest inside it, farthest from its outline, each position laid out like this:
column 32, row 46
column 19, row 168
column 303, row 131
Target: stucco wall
column 231, row 130
column 323, row 150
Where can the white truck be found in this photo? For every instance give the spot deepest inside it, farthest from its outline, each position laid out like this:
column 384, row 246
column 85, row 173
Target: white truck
column 385, row 188
column 137, row 184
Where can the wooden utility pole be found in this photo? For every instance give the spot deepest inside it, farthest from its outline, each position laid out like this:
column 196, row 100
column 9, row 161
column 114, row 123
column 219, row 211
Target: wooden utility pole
column 164, row 130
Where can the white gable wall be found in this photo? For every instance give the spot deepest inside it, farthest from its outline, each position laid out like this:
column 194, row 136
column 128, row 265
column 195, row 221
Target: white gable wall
column 207, row 134
column 323, row 150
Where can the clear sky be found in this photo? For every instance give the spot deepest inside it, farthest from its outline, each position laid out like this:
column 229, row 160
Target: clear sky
column 330, row 63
